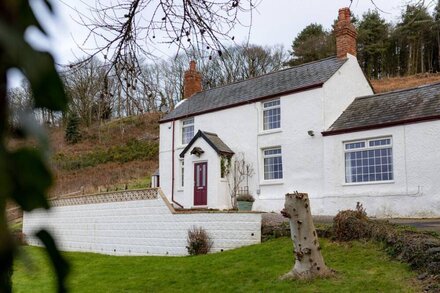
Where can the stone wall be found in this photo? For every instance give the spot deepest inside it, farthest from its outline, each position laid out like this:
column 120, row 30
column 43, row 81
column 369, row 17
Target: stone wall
column 140, row 222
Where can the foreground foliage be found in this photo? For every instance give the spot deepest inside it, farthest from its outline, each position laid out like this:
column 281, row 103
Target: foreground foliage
column 361, row 267
column 24, row 175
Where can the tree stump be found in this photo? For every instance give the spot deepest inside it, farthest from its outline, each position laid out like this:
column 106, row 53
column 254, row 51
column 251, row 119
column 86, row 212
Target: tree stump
column 309, row 262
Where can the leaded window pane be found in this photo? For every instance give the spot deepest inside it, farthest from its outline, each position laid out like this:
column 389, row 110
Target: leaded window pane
column 187, row 130
column 271, row 115
column 273, row 164
column 363, row 164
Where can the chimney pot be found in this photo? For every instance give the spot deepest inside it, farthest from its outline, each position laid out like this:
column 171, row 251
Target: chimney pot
column 192, row 65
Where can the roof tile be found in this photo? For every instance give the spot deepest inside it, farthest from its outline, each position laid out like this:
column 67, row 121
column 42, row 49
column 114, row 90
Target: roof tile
column 294, row 78
column 389, row 108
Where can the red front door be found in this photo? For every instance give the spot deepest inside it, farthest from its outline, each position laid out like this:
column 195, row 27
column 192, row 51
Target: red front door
column 201, row 184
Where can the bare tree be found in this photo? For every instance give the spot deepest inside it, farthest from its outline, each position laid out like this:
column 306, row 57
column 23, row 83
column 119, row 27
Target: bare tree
column 123, row 31
column 161, row 83
column 91, row 91
column 237, row 171
column 20, row 101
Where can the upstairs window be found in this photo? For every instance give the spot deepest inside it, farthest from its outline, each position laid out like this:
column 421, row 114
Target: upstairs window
column 271, row 115
column 187, row 130
column 273, row 164
column 368, row 160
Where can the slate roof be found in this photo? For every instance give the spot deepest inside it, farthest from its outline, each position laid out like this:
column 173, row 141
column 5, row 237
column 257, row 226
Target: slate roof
column 285, row 81
column 389, row 109
column 213, row 140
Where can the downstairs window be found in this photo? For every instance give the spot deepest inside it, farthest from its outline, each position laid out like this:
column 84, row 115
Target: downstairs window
column 369, row 160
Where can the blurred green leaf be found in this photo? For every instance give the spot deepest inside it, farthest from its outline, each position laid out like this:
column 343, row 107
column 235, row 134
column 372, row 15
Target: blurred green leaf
column 30, row 179
column 26, row 17
column 37, row 66
column 60, row 264
column 49, row 5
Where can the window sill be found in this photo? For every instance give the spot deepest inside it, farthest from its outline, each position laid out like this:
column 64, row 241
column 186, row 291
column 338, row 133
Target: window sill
column 267, row 132
column 368, row 183
column 271, row 182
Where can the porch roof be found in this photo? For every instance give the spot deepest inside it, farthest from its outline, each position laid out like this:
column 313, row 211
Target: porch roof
column 213, row 140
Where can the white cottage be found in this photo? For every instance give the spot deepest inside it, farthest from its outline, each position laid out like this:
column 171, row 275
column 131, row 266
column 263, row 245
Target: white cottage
column 303, row 129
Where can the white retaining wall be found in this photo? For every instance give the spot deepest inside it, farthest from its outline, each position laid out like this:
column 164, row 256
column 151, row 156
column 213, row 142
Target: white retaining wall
column 139, row 227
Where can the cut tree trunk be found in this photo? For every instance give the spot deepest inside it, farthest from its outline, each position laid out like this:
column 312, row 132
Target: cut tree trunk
column 309, row 262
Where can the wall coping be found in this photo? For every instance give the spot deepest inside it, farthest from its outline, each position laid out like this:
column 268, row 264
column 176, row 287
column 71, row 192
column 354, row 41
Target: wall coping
column 115, row 196
column 135, row 194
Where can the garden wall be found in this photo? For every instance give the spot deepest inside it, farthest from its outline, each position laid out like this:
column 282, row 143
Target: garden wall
column 138, row 222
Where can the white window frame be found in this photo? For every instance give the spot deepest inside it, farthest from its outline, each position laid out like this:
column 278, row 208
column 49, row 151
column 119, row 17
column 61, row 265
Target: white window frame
column 362, row 145
column 264, row 157
column 187, row 123
column 265, row 108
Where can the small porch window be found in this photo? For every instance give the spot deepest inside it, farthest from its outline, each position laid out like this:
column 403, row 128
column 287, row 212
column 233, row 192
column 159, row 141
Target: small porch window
column 182, row 173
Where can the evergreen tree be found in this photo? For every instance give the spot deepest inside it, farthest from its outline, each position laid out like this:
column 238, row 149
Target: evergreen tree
column 416, row 35
column 72, row 134
column 373, row 42
column 436, row 33
column 312, row 43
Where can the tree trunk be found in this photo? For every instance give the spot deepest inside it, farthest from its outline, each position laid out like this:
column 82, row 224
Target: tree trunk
column 309, row 262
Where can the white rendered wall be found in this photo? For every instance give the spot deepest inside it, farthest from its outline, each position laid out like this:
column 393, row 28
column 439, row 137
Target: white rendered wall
column 415, row 190
column 340, row 90
column 241, row 129
column 139, row 227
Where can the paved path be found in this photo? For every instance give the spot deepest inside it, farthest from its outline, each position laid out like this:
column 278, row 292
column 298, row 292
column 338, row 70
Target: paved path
column 421, row 224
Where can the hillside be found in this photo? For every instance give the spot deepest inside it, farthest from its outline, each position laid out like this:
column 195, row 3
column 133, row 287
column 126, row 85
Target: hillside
column 108, row 157
column 396, row 83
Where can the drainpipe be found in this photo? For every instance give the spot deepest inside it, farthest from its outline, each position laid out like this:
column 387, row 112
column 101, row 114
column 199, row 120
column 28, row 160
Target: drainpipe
column 172, row 169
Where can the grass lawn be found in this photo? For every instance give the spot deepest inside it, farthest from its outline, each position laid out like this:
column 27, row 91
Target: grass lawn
column 361, row 267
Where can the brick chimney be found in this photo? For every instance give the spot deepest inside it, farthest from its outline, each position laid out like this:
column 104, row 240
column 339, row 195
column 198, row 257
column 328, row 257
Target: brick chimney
column 345, row 34
column 192, row 82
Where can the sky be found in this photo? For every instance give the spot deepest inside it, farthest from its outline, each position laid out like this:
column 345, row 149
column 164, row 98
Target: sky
column 274, row 22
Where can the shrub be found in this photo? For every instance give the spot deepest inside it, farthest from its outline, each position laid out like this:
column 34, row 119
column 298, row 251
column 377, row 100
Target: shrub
column 198, row 241
column 245, row 197
column 351, row 224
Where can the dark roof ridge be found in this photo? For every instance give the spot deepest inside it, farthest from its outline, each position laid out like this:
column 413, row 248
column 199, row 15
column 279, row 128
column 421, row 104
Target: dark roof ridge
column 398, row 91
column 219, row 146
column 207, row 132
column 266, row 74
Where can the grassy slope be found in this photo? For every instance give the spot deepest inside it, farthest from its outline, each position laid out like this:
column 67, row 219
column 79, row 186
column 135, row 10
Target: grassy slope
column 396, row 83
column 362, row 267
column 119, row 152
